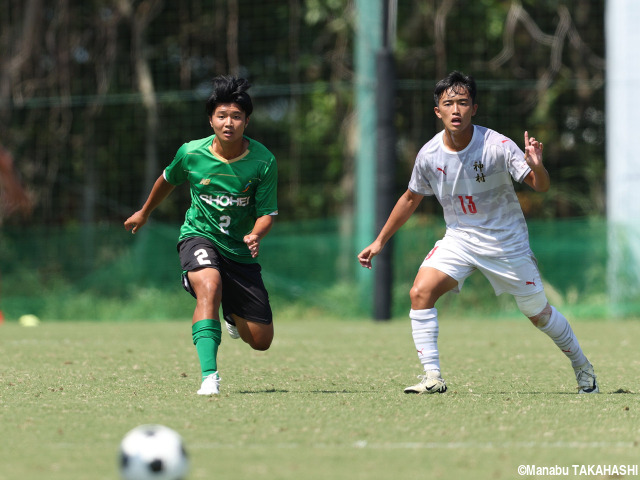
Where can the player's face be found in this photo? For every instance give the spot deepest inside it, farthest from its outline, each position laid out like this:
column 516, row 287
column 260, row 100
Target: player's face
column 228, row 122
column 455, row 109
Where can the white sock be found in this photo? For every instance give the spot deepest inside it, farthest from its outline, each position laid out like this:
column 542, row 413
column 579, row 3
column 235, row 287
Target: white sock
column 560, row 332
column 424, row 326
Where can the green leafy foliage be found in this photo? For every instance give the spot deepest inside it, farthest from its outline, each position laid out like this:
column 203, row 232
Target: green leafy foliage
column 108, row 91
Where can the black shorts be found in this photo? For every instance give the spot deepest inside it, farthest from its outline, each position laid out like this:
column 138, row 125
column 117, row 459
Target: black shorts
column 243, row 291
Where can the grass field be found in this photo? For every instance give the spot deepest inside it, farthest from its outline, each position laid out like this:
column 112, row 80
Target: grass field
column 325, row 402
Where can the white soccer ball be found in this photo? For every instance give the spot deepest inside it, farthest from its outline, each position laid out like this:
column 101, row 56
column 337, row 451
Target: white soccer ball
column 153, row 452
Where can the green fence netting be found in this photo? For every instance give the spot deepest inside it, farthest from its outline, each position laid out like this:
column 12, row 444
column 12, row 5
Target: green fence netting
column 105, row 273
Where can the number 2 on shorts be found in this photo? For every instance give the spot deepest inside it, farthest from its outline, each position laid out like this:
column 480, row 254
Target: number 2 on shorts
column 201, row 255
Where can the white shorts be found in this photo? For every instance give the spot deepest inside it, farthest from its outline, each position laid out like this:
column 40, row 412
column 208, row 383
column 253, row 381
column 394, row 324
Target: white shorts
column 517, row 276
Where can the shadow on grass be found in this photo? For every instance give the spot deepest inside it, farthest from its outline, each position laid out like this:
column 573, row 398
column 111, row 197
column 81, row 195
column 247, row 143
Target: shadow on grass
column 266, row 390
column 339, row 391
column 620, row 390
column 276, row 390
column 452, row 392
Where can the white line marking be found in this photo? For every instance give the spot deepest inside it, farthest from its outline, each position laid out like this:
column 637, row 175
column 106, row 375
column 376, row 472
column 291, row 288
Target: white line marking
column 363, row 444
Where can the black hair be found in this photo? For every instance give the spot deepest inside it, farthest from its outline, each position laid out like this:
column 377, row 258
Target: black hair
column 455, row 81
column 228, row 89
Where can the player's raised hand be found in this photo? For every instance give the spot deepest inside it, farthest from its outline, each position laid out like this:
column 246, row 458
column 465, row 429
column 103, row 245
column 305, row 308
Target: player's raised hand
column 532, row 150
column 538, row 177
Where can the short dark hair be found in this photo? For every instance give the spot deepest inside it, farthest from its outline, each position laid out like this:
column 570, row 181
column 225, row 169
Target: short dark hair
column 456, row 81
column 228, row 89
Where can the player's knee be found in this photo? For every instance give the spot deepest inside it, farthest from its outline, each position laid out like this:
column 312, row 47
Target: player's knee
column 414, row 294
column 205, row 283
column 260, row 344
column 257, row 337
column 535, row 307
column 420, row 296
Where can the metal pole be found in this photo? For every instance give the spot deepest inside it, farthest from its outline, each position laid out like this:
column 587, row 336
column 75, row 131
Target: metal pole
column 368, row 41
column 386, row 162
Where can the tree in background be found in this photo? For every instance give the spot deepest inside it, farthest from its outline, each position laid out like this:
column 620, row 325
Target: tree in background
column 94, row 95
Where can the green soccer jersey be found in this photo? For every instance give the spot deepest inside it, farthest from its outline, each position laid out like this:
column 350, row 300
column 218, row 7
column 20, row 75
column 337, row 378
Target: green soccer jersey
column 227, row 196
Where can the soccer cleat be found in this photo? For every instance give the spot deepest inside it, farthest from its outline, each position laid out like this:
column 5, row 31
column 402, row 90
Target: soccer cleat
column 431, row 382
column 586, row 378
column 232, row 329
column 210, row 385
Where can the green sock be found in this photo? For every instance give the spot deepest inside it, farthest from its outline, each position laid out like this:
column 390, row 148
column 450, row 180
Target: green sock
column 207, row 336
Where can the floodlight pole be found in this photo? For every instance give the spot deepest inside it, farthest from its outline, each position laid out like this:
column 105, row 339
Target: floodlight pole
column 386, row 158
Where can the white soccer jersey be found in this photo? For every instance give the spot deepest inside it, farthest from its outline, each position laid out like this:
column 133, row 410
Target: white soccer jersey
column 475, row 188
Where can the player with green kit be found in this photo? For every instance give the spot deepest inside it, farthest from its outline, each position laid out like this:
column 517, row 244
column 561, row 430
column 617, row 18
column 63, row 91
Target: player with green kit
column 233, row 182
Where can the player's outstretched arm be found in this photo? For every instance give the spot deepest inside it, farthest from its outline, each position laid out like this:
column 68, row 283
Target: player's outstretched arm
column 538, row 178
column 161, row 189
column 405, row 206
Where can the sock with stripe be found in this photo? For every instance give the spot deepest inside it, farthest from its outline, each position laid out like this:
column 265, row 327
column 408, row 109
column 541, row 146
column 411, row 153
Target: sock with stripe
column 559, row 330
column 424, row 326
column 207, row 336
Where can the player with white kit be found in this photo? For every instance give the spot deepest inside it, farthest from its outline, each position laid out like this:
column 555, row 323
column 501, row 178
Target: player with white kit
column 233, row 182
column 470, row 169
